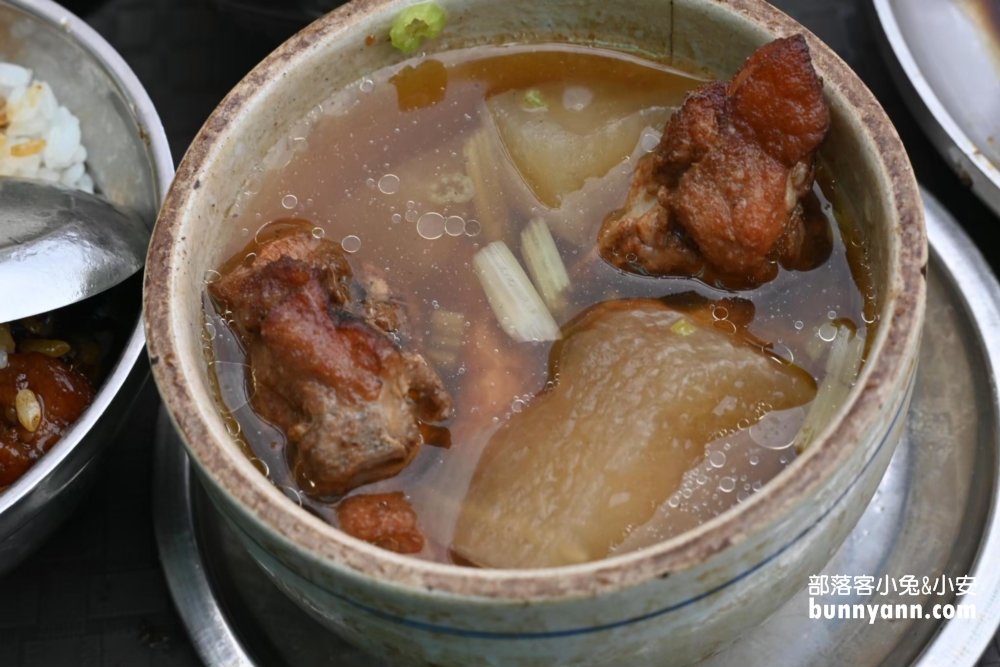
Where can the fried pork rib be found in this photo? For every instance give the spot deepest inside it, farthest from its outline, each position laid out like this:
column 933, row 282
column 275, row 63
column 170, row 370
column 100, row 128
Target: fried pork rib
column 350, row 400
column 721, row 193
column 384, row 519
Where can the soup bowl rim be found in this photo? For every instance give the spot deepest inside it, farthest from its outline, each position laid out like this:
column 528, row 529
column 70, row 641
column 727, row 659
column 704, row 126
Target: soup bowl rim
column 328, row 547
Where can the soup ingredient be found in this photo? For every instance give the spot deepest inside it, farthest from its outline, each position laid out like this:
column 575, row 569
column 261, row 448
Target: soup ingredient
column 384, row 519
column 38, row 137
column 544, row 262
column 634, row 402
column 723, row 187
column 488, row 177
column 735, row 466
column 514, row 300
column 842, row 366
column 39, row 398
column 416, row 23
column 350, row 400
column 558, row 135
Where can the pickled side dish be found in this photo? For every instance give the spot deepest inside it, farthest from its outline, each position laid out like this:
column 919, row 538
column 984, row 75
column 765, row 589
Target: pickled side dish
column 51, row 367
column 457, row 199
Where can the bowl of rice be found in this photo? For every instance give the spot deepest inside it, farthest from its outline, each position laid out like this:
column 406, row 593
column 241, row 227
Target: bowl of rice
column 73, row 113
column 39, row 137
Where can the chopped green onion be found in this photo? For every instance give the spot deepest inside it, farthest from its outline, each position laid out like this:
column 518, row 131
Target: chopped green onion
column 842, row 368
column 544, row 263
column 515, row 303
column 683, row 327
column 484, row 157
column 415, row 23
column 533, row 100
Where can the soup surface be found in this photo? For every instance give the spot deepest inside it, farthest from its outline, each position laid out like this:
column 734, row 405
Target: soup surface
column 664, row 402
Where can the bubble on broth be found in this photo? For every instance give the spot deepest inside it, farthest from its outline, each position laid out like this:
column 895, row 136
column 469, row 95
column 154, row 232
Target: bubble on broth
column 472, row 228
column 261, row 466
column 727, row 484
column 431, row 226
column 778, row 428
column 212, row 276
column 454, row 225
column 782, row 353
column 351, row 243
column 411, row 216
column 389, row 184
column 827, row 332
column 292, row 494
column 289, row 201
column 318, row 232
column 798, row 324
column 366, row 85
column 396, row 218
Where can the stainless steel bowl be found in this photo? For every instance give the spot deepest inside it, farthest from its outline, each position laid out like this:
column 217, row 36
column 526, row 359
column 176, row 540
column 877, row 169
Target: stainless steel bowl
column 131, row 164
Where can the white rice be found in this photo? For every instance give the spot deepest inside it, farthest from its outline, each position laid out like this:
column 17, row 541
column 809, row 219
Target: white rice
column 38, row 137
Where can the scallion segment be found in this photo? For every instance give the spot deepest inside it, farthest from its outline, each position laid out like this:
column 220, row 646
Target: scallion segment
column 515, row 302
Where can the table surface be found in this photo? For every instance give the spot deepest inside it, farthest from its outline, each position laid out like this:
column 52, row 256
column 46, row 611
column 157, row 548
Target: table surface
column 94, row 595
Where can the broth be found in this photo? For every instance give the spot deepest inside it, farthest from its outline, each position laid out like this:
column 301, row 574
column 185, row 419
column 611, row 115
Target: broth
column 381, row 167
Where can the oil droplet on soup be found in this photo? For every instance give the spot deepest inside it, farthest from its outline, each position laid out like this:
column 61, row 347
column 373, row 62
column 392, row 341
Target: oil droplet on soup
column 431, row 161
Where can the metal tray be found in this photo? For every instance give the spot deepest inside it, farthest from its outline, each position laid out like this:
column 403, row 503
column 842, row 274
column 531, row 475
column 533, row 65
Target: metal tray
column 933, row 513
column 945, row 58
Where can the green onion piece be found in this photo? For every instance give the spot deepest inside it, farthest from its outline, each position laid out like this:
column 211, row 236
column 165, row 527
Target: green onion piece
column 683, row 327
column 484, row 159
column 842, row 368
column 415, row 23
column 515, row 303
column 544, row 263
column 533, row 99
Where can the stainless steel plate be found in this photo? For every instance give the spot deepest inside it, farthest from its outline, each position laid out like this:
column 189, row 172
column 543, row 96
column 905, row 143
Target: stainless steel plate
column 934, row 513
column 945, row 57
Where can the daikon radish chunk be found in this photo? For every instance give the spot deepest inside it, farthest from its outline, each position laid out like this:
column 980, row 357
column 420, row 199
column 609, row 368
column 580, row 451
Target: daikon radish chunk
column 558, row 135
column 635, row 401
column 734, row 467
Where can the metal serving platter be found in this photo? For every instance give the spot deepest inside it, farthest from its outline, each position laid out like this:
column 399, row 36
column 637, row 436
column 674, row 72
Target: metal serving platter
column 934, row 513
column 945, row 57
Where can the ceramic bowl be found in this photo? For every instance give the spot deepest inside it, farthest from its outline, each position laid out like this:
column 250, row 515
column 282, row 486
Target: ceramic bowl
column 673, row 603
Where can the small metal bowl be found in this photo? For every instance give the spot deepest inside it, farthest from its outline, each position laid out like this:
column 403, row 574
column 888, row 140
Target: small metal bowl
column 129, row 158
